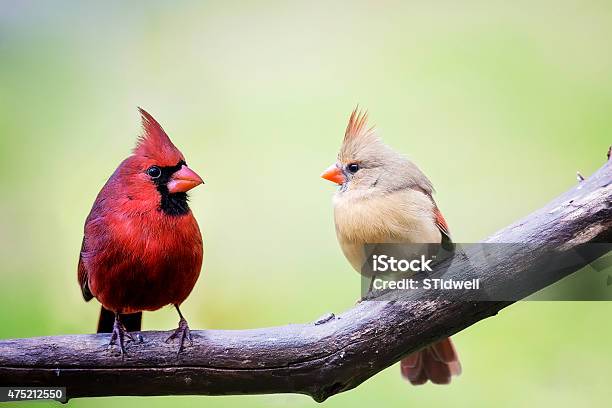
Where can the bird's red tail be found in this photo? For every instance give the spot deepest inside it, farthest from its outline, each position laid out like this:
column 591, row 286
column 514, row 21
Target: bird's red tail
column 437, row 363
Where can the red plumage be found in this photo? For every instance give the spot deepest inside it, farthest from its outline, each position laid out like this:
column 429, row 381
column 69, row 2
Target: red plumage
column 441, row 222
column 437, row 363
column 142, row 247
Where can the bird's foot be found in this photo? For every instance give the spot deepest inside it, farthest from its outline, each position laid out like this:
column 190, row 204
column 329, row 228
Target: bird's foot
column 118, row 337
column 182, row 333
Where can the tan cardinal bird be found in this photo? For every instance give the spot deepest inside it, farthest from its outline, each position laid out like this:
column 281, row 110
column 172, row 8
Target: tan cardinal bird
column 142, row 247
column 383, row 197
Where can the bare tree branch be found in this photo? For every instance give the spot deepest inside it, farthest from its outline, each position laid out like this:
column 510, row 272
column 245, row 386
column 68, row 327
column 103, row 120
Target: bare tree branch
column 331, row 355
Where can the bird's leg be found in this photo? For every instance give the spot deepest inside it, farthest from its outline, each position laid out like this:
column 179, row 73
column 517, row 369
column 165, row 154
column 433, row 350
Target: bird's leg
column 182, row 332
column 371, row 285
column 119, row 334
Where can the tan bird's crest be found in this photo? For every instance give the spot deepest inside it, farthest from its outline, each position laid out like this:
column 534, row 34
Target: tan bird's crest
column 357, row 126
column 358, row 137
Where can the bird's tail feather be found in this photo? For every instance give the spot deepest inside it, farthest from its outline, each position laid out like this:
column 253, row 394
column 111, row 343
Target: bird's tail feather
column 437, row 363
column 132, row 321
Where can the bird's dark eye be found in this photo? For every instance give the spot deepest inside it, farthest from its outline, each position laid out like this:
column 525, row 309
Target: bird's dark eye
column 353, row 167
column 154, row 172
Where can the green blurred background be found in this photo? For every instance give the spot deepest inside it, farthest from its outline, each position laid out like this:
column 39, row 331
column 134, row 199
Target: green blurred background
column 499, row 103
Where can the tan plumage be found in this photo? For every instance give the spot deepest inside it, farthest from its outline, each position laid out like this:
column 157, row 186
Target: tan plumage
column 399, row 217
column 385, row 198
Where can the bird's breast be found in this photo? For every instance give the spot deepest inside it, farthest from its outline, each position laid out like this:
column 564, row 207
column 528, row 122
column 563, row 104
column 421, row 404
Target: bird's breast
column 400, row 217
column 147, row 261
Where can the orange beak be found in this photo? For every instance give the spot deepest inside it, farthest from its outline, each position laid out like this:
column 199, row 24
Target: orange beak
column 334, row 174
column 184, row 180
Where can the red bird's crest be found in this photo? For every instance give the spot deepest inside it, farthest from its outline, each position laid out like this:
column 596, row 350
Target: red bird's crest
column 155, row 144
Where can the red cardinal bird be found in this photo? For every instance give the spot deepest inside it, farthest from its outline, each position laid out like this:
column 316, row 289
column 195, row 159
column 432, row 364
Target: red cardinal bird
column 142, row 247
column 384, row 197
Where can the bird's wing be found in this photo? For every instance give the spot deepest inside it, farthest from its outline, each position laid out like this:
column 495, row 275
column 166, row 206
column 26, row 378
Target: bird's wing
column 84, row 276
column 447, row 242
column 441, row 222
